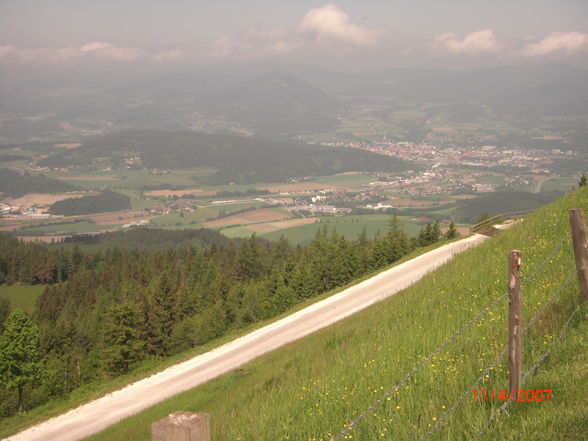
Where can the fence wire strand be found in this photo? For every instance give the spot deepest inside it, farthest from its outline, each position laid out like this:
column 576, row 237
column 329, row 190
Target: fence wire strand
column 463, row 396
column 454, row 336
column 555, row 249
column 549, row 302
column 531, row 371
column 460, row 399
column 417, row 368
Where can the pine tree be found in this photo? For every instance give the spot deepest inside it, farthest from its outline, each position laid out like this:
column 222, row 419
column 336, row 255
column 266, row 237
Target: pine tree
column 19, row 354
column 452, row 232
column 122, row 346
column 4, row 312
column 164, row 300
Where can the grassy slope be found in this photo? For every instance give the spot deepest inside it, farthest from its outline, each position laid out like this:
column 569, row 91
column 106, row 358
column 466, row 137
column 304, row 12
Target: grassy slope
column 313, row 387
column 21, row 297
column 349, row 226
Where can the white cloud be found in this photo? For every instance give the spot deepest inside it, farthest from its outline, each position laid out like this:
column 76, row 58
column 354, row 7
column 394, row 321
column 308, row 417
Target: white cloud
column 96, row 49
column 566, row 42
column 329, row 24
column 475, row 43
column 168, row 56
column 109, row 51
column 7, row 50
column 255, row 42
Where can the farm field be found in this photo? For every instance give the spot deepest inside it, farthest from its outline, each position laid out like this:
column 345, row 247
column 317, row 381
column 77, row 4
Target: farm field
column 187, row 219
column 260, row 215
column 21, row 297
column 117, row 217
column 45, row 200
column 349, row 226
column 178, row 193
column 262, row 229
column 347, row 180
column 130, row 179
column 69, row 228
column 559, row 184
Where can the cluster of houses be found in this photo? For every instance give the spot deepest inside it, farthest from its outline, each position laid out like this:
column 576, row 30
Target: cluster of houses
column 17, row 211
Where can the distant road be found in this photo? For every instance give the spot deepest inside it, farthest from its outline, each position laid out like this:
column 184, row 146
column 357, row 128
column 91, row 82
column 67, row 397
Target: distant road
column 538, row 185
column 94, row 416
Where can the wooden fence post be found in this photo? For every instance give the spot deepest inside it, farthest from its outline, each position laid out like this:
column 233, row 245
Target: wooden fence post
column 515, row 353
column 578, row 225
column 182, row 426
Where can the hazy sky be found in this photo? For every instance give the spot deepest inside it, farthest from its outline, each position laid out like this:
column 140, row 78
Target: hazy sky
column 346, row 34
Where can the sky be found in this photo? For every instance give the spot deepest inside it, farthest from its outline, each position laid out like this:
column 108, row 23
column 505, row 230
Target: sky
column 345, row 35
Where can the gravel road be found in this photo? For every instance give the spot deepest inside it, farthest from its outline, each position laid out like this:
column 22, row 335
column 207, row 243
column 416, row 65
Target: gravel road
column 103, row 412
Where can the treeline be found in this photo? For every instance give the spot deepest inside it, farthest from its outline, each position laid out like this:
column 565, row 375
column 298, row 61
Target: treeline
column 106, row 201
column 238, row 159
column 117, row 308
column 7, row 158
column 151, row 239
column 31, row 264
column 15, row 185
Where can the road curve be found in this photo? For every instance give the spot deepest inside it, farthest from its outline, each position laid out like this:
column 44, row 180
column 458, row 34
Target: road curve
column 96, row 415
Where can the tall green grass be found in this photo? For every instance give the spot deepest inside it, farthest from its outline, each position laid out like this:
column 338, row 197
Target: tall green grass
column 21, row 297
column 312, row 388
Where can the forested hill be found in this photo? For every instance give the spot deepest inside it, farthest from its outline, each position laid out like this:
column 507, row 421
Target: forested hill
column 105, row 312
column 106, row 201
column 239, row 159
column 15, row 185
column 152, row 239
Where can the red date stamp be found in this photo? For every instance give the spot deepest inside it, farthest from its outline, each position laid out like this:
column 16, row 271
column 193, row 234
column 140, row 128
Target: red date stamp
column 525, row 395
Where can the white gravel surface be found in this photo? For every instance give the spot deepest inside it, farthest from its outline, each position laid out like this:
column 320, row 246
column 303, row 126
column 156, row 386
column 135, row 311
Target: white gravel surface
column 96, row 415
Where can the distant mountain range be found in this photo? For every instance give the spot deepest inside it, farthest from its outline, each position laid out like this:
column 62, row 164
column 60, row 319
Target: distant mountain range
column 275, row 103
column 286, row 102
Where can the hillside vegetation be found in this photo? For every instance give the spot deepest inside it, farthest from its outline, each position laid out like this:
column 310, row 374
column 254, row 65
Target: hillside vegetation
column 312, row 389
column 106, row 313
column 147, row 239
column 15, row 185
column 105, row 201
column 238, row 159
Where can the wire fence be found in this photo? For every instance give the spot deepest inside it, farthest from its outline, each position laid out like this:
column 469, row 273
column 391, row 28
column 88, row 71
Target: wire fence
column 545, row 261
column 529, row 372
column 487, row 223
column 418, row 367
column 440, row 421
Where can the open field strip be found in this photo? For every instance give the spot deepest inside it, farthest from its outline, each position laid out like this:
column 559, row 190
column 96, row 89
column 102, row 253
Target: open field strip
column 96, row 415
column 21, row 297
column 260, row 215
column 264, row 228
column 190, row 191
column 350, row 226
column 45, row 199
column 280, row 225
column 300, row 186
column 118, row 217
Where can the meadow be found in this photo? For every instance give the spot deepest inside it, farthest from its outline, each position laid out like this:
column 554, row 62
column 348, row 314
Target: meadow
column 349, row 226
column 21, row 297
column 448, row 330
column 67, row 228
